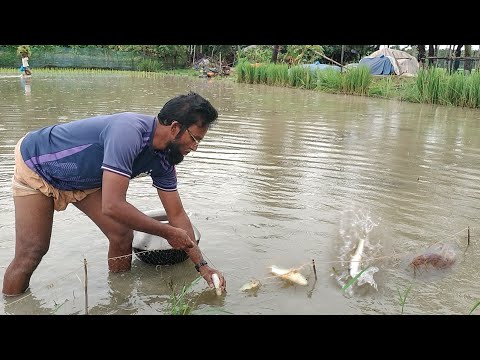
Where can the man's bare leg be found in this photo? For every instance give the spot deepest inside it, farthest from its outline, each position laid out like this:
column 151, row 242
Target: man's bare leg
column 33, row 229
column 119, row 236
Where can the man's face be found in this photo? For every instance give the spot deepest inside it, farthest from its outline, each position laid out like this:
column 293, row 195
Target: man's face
column 184, row 142
column 174, row 153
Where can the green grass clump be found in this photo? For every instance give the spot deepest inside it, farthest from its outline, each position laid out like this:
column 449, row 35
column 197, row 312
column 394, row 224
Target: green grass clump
column 178, row 303
column 403, row 297
column 431, row 85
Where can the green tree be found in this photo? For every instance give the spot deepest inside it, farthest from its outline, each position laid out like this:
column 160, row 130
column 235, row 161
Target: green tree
column 351, row 53
column 24, row 50
column 458, row 53
column 468, row 53
column 421, row 54
column 276, row 49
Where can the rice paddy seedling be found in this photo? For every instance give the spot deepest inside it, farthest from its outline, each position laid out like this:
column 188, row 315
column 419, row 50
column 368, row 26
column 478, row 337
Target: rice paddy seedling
column 241, row 70
column 296, row 76
column 261, row 74
column 472, row 90
column 280, row 74
column 454, row 92
column 357, row 80
column 385, row 87
column 58, row 306
column 330, row 80
column 474, row 307
column 431, row 86
column 178, row 303
column 403, row 297
column 352, row 280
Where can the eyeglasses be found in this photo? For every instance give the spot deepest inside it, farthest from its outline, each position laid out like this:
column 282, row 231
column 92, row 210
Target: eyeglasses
column 193, row 137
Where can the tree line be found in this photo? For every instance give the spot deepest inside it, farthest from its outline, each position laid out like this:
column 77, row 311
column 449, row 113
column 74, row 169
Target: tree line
column 228, row 55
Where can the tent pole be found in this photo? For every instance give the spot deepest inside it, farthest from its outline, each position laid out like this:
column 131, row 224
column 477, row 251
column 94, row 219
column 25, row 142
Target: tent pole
column 341, row 56
column 327, row 58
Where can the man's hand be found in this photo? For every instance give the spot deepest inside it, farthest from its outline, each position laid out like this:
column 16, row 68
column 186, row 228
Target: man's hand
column 179, row 239
column 207, row 272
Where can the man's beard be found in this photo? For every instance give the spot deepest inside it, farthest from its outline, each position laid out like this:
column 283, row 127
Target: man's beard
column 173, row 153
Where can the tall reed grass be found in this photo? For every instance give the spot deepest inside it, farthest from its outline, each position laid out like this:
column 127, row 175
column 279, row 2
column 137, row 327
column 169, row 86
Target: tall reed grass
column 431, row 85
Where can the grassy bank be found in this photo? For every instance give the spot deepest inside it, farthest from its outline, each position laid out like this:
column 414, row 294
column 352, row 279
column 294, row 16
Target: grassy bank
column 432, row 85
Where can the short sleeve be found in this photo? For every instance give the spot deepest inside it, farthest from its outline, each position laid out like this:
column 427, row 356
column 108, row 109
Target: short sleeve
column 123, row 141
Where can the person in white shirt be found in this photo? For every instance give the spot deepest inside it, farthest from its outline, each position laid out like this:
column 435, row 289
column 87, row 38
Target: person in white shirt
column 26, row 67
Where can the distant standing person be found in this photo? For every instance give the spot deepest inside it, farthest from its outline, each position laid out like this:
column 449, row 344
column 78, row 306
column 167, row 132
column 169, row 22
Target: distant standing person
column 25, row 66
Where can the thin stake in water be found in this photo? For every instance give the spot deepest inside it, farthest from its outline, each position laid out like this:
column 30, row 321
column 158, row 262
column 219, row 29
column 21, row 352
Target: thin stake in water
column 86, row 285
column 314, row 270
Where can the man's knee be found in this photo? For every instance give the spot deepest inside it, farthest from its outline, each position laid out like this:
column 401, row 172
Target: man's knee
column 120, row 245
column 121, row 236
column 32, row 251
column 27, row 261
column 17, row 276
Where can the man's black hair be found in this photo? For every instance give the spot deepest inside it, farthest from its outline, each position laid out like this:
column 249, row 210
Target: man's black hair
column 188, row 109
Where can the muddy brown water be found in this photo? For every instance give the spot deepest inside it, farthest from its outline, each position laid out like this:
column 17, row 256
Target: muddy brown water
column 284, row 177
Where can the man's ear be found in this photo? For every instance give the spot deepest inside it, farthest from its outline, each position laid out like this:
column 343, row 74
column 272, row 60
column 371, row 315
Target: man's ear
column 175, row 128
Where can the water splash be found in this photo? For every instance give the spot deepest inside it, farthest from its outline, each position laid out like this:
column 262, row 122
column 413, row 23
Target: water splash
column 356, row 249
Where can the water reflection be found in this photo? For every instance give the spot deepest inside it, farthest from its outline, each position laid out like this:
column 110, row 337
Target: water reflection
column 26, row 82
column 147, row 289
column 26, row 304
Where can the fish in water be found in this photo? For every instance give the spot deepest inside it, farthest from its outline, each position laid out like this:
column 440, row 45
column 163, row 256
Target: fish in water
column 216, row 284
column 434, row 260
column 439, row 256
column 251, row 285
column 289, row 274
column 354, row 267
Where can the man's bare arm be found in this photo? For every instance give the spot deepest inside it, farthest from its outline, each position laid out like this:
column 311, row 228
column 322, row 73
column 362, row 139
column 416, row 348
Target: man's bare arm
column 115, row 205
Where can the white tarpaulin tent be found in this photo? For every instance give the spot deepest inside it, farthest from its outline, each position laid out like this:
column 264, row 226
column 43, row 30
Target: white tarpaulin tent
column 403, row 63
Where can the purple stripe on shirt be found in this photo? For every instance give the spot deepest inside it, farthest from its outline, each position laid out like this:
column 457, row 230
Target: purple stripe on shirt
column 55, row 156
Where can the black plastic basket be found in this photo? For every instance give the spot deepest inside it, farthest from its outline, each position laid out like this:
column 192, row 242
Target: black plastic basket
column 166, row 255
column 161, row 257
